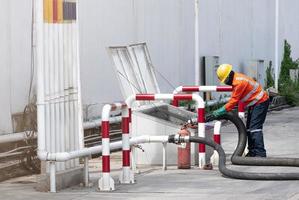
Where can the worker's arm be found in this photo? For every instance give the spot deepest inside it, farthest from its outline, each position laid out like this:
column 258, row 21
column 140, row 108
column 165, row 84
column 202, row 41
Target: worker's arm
column 237, row 94
column 235, row 98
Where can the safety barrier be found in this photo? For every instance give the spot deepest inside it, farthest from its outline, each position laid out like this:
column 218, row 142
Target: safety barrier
column 106, row 183
column 127, row 175
column 217, row 139
column 190, row 89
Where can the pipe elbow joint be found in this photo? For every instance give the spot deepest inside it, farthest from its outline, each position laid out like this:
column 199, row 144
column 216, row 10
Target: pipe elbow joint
column 42, row 155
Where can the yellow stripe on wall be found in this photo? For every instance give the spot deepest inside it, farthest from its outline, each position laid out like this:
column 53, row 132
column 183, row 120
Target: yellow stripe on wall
column 48, row 11
column 60, row 10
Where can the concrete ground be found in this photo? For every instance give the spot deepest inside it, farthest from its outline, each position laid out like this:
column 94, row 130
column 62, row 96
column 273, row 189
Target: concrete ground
column 281, row 140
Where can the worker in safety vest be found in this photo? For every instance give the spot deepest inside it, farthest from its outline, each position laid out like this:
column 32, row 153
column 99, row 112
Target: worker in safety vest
column 251, row 93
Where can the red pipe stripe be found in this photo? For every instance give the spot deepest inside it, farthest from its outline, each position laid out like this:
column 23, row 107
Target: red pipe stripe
column 190, row 89
column 105, row 129
column 241, row 106
column 130, row 115
column 106, row 163
column 200, row 115
column 201, row 148
column 182, row 97
column 55, row 11
column 224, row 88
column 125, row 125
column 144, row 97
column 175, row 103
column 217, row 139
column 126, row 158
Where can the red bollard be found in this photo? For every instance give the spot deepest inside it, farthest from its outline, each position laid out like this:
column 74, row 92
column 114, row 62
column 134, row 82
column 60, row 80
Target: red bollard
column 184, row 151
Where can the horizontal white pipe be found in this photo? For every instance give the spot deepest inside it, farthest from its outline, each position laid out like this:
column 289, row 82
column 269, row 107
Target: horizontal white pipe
column 163, row 96
column 64, row 156
column 14, row 137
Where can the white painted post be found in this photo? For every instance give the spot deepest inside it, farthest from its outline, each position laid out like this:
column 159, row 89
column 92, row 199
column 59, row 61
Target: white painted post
column 164, row 156
column 52, row 177
column 196, row 43
column 276, row 65
column 86, row 171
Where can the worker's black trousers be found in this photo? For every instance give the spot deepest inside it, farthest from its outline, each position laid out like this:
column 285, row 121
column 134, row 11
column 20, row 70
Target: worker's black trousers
column 255, row 121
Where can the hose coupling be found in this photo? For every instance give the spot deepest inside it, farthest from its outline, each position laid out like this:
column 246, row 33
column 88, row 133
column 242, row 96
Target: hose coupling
column 178, row 139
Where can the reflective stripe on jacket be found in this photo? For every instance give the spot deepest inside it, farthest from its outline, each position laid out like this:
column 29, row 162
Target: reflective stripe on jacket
column 247, row 90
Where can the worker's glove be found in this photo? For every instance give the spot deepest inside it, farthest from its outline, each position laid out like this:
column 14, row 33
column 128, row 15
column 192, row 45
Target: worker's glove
column 219, row 112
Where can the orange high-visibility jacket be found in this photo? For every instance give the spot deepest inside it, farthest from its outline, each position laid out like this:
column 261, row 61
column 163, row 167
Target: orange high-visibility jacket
column 247, row 90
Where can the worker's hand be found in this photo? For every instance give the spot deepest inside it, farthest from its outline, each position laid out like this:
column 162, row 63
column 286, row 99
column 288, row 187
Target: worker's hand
column 219, row 112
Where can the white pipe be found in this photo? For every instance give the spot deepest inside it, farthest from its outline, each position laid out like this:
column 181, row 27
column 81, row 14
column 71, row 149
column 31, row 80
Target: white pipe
column 14, row 137
column 217, row 130
column 276, row 42
column 66, row 92
column 40, row 82
column 164, row 156
column 196, row 43
column 71, row 90
column 46, row 94
column 80, row 118
column 64, row 156
column 52, row 177
column 52, row 89
column 86, row 171
column 73, row 82
column 61, row 89
column 58, row 133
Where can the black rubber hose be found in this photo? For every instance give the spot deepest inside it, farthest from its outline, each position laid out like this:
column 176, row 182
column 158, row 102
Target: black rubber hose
column 237, row 174
column 237, row 158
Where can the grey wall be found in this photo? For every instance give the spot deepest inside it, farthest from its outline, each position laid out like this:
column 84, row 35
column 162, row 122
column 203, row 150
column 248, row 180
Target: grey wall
column 15, row 45
column 237, row 31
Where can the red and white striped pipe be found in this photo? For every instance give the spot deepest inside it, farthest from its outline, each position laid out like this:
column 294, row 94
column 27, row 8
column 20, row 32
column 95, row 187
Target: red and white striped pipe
column 106, row 183
column 217, row 139
column 241, row 110
column 126, row 176
column 181, row 89
column 190, row 89
column 217, row 136
column 156, row 97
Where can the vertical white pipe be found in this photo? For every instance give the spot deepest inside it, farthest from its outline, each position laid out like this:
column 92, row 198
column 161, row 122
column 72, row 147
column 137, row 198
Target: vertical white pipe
column 61, row 89
column 56, row 92
column 86, row 172
column 276, row 42
column 164, row 156
column 66, row 91
column 52, row 89
column 40, row 74
column 71, row 89
column 80, row 118
column 196, row 44
column 52, row 177
column 75, row 88
column 46, row 82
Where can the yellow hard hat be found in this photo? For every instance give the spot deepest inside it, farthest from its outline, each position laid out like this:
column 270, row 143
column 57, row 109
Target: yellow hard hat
column 223, row 71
